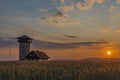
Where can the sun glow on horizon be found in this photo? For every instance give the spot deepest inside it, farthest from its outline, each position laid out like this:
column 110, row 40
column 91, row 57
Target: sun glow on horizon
column 109, row 52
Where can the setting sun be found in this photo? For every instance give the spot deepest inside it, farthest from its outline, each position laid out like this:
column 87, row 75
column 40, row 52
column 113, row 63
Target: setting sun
column 109, row 52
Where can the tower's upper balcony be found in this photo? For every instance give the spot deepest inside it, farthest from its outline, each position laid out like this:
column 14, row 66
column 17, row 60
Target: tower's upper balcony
column 24, row 39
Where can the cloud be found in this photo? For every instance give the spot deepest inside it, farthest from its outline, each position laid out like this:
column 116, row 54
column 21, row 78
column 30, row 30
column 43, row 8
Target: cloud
column 61, row 22
column 58, row 13
column 99, row 1
column 108, row 30
column 117, row 1
column 91, row 2
column 86, row 4
column 7, row 43
column 105, row 29
column 59, row 18
column 55, row 45
column 118, row 30
column 82, row 6
column 112, row 8
column 67, row 8
column 71, row 36
column 117, row 13
column 62, row 1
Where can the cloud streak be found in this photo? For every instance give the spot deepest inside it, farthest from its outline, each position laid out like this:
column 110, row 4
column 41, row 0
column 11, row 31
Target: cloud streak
column 6, row 43
column 55, row 45
column 68, row 36
column 105, row 29
column 118, row 30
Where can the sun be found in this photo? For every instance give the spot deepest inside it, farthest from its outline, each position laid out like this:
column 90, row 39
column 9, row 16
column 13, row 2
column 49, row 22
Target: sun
column 109, row 52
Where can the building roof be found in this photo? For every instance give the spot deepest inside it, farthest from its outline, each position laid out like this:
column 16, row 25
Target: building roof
column 24, row 37
column 40, row 54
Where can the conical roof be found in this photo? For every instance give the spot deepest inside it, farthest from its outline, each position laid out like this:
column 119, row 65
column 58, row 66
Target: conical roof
column 24, row 37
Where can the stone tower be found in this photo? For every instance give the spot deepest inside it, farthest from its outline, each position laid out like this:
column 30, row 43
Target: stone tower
column 24, row 46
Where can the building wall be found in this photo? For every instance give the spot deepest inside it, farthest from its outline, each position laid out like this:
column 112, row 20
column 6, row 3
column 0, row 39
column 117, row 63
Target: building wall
column 24, row 49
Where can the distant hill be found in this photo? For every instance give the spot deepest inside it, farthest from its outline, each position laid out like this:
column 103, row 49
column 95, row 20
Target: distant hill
column 101, row 59
column 90, row 59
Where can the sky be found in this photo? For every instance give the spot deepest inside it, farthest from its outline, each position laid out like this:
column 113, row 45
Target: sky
column 64, row 29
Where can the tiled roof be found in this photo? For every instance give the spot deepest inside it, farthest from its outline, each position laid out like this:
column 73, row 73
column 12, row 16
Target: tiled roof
column 40, row 54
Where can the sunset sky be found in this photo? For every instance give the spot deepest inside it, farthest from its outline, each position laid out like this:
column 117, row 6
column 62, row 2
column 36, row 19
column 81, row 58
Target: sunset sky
column 69, row 29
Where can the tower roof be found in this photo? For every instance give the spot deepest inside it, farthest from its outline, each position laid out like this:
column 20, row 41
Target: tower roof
column 24, row 37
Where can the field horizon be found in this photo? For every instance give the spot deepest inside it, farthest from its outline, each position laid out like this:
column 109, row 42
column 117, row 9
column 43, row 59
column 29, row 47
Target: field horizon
column 70, row 59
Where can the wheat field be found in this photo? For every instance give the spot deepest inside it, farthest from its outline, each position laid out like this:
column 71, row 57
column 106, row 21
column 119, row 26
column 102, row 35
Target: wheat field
column 60, row 70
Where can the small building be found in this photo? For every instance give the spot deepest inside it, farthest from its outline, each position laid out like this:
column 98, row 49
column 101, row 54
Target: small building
column 36, row 55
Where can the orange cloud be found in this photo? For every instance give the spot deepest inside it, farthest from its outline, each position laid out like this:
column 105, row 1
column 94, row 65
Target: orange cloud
column 117, row 1
column 117, row 13
column 67, row 8
column 61, row 21
column 99, row 1
column 105, row 29
column 118, row 30
column 62, row 1
column 82, row 6
column 86, row 4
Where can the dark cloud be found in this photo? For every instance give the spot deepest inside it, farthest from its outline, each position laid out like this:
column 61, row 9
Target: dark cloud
column 53, row 45
column 6, row 42
column 58, row 13
column 71, row 36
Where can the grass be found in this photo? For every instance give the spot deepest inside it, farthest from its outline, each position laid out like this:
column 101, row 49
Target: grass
column 60, row 70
